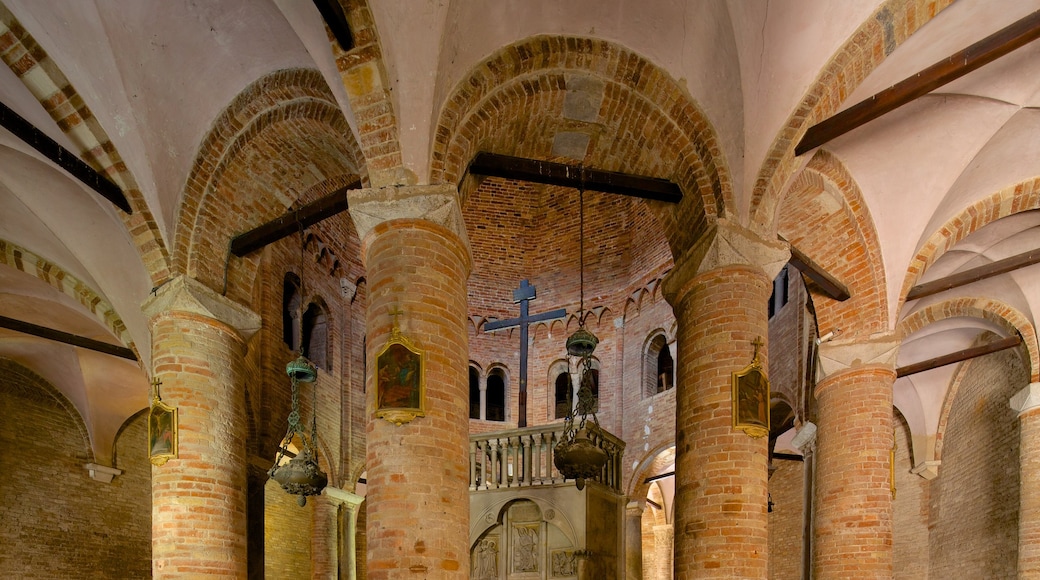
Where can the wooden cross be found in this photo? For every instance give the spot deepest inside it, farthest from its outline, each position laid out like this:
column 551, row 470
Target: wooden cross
column 524, row 294
column 155, row 388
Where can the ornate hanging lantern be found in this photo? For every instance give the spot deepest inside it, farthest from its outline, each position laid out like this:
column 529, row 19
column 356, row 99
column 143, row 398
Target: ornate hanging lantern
column 576, row 455
column 300, row 475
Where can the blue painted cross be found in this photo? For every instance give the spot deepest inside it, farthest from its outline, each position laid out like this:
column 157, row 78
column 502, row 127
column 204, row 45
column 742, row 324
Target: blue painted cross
column 523, row 295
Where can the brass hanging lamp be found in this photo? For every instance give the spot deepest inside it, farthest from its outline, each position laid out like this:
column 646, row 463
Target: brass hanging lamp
column 576, row 456
column 301, row 475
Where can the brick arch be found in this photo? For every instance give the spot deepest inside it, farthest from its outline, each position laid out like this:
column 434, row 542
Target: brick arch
column 283, row 139
column 39, row 389
column 839, row 235
column 1020, row 197
column 1010, row 319
column 69, row 110
column 21, row 259
column 892, row 23
column 665, row 133
column 650, row 462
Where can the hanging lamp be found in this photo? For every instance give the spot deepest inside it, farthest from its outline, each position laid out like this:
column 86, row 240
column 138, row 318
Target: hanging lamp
column 576, row 456
column 300, row 475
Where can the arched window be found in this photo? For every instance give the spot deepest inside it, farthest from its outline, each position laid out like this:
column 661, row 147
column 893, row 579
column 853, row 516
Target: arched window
column 564, row 394
column 291, row 311
column 658, row 367
column 474, row 393
column 496, row 396
column 316, row 336
column 779, row 298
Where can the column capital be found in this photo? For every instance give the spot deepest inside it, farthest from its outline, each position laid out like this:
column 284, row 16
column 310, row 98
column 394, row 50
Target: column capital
column 725, row 244
column 342, row 496
column 102, row 473
column 836, row 357
column 1027, row 399
column 635, row 508
column 434, row 203
column 186, row 294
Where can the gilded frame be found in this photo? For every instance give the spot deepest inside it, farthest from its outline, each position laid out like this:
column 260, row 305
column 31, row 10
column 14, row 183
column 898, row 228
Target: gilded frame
column 751, row 400
column 162, row 432
column 400, row 393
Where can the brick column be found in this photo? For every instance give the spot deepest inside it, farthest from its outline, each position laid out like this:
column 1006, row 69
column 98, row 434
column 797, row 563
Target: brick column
column 1027, row 403
column 417, row 261
column 634, row 540
column 720, row 296
column 664, row 540
column 853, row 494
column 324, row 537
column 199, row 498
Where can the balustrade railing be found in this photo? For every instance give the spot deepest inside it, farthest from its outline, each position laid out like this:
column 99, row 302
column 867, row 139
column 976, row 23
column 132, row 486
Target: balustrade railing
column 524, row 457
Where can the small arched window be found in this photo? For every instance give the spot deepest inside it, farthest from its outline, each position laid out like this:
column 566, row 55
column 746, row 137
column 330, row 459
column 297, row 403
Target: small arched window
column 564, row 395
column 316, row 336
column 658, row 367
column 496, row 396
column 291, row 311
column 474, row 393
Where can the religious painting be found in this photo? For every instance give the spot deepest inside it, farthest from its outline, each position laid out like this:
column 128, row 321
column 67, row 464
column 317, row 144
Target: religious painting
column 162, row 432
column 400, row 384
column 751, row 399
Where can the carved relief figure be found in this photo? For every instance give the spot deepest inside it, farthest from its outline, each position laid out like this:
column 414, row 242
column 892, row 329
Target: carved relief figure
column 485, row 565
column 564, row 563
column 525, row 549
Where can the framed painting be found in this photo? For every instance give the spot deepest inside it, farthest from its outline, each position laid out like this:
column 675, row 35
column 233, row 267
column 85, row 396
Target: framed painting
column 162, row 432
column 400, row 380
column 751, row 399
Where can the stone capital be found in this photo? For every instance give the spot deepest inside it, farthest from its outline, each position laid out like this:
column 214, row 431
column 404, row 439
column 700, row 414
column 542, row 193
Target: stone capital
column 186, row 294
column 836, row 357
column 725, row 244
column 438, row 204
column 102, row 473
column 929, row 470
column 344, row 497
column 635, row 509
column 1027, row 399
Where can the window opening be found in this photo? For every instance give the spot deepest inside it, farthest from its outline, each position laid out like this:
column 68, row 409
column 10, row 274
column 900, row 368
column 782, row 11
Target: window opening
column 496, row 397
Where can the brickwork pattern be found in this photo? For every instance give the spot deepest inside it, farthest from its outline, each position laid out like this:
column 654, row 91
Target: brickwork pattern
column 720, row 472
column 975, row 499
column 199, row 362
column 250, row 168
column 909, row 512
column 27, row 59
column 786, row 490
column 418, row 473
column 57, row 521
column 494, row 110
column 287, row 534
column 893, row 23
column 839, row 235
column 1029, row 499
column 853, row 499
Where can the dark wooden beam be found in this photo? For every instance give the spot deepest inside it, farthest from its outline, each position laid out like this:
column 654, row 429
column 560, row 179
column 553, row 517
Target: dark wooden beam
column 953, row 67
column 975, row 274
column 961, row 355
column 829, row 284
column 332, row 12
column 576, row 176
column 292, row 222
column 65, row 337
column 65, row 159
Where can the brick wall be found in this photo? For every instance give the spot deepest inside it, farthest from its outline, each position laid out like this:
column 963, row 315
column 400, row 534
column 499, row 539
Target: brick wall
column 786, row 490
column 287, row 533
column 974, row 500
column 57, row 521
column 909, row 512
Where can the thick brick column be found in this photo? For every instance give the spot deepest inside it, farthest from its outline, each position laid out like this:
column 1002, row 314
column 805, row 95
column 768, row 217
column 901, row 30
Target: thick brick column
column 853, row 494
column 417, row 261
column 1027, row 403
column 720, row 297
column 199, row 498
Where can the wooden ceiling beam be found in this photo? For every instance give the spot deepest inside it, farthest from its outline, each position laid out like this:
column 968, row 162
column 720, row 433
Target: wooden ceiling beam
column 953, row 67
column 64, row 158
column 293, row 221
column 829, row 284
column 961, row 355
column 67, row 338
column 997, row 268
column 574, row 176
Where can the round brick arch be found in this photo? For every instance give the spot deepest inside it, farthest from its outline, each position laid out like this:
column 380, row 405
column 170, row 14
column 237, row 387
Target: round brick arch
column 512, row 103
column 21, row 259
column 1023, row 196
column 1008, row 318
column 282, row 140
column 892, row 23
column 839, row 235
